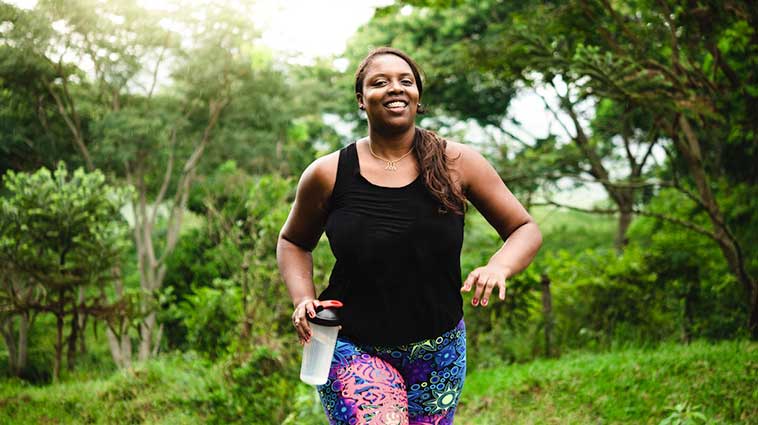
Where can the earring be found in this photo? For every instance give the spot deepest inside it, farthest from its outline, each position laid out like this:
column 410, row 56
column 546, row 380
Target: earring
column 362, row 108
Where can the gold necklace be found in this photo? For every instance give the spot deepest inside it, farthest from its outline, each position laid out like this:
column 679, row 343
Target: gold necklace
column 391, row 164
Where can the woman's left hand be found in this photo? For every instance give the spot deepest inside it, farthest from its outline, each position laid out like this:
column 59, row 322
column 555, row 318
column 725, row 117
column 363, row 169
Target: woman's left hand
column 485, row 279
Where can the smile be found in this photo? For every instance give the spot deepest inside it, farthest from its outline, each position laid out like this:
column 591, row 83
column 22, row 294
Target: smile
column 396, row 105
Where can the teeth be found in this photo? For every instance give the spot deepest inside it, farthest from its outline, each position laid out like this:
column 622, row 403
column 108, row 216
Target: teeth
column 395, row 104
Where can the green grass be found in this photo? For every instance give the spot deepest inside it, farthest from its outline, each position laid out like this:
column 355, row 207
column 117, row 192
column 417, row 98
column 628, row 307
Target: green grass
column 157, row 392
column 633, row 386
column 626, row 387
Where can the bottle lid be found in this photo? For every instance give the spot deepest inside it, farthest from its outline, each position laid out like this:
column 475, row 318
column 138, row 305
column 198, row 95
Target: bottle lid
column 326, row 314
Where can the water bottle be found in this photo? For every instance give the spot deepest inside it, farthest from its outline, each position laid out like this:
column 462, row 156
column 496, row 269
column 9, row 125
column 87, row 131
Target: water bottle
column 317, row 353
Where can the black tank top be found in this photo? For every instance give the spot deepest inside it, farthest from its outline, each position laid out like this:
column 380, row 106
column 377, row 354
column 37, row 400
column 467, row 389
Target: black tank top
column 398, row 269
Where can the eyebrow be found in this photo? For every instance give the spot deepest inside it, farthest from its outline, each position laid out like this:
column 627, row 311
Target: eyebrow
column 404, row 74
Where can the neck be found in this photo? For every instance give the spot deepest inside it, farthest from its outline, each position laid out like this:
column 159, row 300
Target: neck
column 391, row 145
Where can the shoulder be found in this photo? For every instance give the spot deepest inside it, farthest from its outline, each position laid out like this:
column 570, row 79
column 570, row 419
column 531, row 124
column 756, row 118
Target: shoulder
column 319, row 177
column 323, row 170
column 466, row 153
column 466, row 162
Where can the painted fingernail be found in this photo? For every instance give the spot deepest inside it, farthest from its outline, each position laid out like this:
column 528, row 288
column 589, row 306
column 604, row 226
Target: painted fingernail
column 475, row 301
column 484, row 301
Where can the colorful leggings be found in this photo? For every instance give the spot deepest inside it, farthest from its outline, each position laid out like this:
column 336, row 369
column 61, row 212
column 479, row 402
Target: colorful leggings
column 417, row 383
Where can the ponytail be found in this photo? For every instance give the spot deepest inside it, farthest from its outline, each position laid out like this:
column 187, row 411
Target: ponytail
column 430, row 150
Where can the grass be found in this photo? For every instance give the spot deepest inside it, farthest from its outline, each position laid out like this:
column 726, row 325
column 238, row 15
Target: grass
column 157, row 392
column 638, row 386
column 631, row 386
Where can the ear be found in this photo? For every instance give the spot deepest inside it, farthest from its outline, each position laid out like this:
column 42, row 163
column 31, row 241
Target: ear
column 359, row 98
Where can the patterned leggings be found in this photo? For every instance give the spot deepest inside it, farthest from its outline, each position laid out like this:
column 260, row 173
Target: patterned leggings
column 417, row 383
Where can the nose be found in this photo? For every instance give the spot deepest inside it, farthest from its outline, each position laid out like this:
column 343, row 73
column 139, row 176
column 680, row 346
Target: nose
column 396, row 87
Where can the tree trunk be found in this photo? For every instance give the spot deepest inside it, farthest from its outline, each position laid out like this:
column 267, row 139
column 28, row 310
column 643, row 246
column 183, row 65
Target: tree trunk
column 623, row 197
column 73, row 338
column 689, row 146
column 58, row 338
column 119, row 341
column 625, row 219
column 151, row 267
column 6, row 327
column 547, row 314
column 121, row 348
column 23, row 341
column 82, row 323
column 82, row 333
column 115, row 347
column 147, row 329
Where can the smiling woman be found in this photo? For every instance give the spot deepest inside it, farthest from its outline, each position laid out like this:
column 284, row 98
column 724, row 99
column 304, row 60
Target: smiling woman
column 392, row 205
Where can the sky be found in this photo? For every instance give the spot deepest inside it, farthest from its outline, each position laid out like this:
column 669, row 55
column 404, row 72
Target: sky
column 312, row 28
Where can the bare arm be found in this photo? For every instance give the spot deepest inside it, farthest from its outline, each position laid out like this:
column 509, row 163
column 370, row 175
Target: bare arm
column 522, row 238
column 300, row 235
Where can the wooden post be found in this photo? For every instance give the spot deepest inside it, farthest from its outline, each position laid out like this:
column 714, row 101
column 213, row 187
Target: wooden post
column 547, row 313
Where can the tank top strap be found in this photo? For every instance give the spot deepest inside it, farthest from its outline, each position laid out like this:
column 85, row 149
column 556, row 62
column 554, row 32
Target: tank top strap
column 347, row 168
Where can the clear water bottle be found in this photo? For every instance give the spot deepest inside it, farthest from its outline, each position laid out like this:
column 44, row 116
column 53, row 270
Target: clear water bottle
column 317, row 353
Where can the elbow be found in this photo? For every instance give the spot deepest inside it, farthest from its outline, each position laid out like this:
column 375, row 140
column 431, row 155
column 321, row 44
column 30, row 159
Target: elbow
column 537, row 234
column 537, row 238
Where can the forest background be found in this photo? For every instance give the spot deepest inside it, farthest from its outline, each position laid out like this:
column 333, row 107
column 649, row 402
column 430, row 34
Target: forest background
column 149, row 158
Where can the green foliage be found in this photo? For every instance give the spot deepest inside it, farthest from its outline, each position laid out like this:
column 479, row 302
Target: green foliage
column 230, row 262
column 61, row 230
column 685, row 414
column 255, row 390
column 210, row 315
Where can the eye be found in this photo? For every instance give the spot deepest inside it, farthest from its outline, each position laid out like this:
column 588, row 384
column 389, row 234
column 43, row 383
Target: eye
column 407, row 82
column 379, row 83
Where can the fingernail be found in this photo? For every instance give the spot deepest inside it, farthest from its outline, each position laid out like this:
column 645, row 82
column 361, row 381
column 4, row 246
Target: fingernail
column 484, row 301
column 474, row 301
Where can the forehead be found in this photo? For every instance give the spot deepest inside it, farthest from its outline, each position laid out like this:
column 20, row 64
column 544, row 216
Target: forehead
column 387, row 64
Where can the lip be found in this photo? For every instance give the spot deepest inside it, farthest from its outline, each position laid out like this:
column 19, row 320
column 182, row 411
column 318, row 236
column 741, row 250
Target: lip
column 396, row 108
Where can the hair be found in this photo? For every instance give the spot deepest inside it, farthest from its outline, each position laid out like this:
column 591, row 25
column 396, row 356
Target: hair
column 428, row 146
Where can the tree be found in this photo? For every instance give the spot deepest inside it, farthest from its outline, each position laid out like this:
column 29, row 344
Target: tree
column 61, row 232
column 692, row 68
column 33, row 132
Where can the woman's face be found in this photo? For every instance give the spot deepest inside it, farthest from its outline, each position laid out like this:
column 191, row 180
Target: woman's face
column 390, row 94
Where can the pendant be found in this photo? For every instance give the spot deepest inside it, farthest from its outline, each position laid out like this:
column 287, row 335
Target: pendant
column 391, row 166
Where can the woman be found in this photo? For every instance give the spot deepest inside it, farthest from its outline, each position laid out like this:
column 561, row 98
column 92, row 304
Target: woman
column 392, row 205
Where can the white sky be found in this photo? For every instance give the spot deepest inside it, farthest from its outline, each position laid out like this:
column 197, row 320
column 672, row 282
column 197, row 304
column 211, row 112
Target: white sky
column 312, row 28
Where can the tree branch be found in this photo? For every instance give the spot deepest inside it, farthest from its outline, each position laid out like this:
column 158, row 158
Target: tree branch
column 663, row 217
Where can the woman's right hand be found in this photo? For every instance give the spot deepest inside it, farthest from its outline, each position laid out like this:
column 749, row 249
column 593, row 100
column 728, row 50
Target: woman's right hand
column 299, row 320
